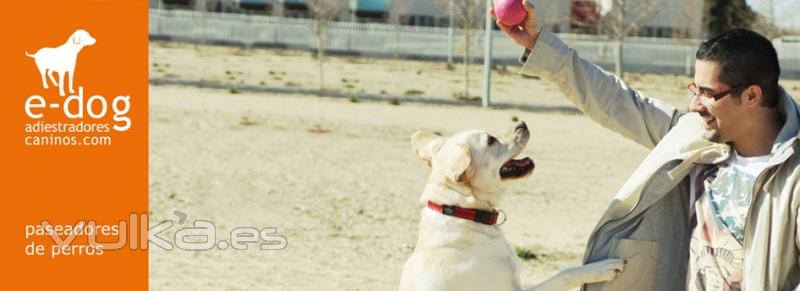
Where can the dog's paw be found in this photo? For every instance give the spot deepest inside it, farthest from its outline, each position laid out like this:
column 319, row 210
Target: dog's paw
column 605, row 270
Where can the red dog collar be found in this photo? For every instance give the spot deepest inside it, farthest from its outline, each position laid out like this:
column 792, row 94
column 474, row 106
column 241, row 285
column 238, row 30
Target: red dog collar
column 476, row 215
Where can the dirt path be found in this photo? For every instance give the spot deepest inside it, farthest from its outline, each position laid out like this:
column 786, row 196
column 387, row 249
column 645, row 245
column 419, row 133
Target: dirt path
column 339, row 180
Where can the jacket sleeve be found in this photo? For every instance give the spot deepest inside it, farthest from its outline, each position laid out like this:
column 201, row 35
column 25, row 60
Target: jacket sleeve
column 797, row 242
column 603, row 97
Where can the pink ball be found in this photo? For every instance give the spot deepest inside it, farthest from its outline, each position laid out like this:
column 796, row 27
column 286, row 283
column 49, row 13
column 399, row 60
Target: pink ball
column 510, row 12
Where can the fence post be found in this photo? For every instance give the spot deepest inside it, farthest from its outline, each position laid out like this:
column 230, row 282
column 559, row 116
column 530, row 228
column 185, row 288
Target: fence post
column 688, row 64
column 487, row 58
column 450, row 33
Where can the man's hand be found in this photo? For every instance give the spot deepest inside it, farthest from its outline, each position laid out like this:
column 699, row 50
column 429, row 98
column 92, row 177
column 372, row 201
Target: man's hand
column 526, row 33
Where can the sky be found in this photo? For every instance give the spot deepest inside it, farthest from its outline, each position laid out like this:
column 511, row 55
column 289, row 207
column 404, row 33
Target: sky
column 786, row 11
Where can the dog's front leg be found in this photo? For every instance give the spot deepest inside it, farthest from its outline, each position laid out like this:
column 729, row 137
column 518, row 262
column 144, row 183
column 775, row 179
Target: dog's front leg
column 71, row 73
column 605, row 270
column 43, row 72
column 61, row 83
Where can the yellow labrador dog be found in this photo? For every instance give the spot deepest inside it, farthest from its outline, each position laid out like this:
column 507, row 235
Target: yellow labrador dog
column 460, row 247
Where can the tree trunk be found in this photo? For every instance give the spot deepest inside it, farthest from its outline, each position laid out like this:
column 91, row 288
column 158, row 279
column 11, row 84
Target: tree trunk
column 619, row 38
column 467, row 32
column 618, row 57
column 466, row 62
column 397, row 39
column 321, row 55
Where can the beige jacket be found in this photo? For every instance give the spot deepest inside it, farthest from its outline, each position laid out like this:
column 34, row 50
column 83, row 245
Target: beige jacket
column 648, row 221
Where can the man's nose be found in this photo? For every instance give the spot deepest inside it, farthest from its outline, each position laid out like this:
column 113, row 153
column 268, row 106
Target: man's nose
column 697, row 106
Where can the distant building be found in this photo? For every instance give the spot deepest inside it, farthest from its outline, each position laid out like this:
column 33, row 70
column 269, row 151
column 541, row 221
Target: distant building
column 370, row 10
column 421, row 12
column 660, row 18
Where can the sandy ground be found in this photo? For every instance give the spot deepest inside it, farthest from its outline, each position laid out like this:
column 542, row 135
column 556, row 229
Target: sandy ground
column 339, row 179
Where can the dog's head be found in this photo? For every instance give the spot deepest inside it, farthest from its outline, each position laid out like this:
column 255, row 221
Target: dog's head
column 475, row 160
column 82, row 38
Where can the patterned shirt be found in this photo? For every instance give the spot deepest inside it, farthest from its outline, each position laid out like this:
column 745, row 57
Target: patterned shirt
column 716, row 249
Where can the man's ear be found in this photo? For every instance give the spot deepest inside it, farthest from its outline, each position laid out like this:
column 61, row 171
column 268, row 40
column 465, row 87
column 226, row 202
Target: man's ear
column 456, row 160
column 426, row 145
column 752, row 96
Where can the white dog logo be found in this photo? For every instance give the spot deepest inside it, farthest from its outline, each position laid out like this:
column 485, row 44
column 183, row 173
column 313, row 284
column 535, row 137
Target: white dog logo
column 61, row 59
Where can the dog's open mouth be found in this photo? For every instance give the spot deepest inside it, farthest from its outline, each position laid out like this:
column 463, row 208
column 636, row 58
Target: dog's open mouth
column 517, row 168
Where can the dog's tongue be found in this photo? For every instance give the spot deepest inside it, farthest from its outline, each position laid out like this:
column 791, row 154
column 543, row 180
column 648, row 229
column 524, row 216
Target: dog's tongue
column 524, row 162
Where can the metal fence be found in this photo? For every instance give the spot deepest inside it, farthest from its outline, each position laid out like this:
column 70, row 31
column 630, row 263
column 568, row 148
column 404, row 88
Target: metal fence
column 641, row 54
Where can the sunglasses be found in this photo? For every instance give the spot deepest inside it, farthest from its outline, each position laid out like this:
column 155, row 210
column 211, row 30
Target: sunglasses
column 695, row 91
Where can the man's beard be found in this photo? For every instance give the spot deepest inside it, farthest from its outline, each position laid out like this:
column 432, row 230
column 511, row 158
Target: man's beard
column 712, row 135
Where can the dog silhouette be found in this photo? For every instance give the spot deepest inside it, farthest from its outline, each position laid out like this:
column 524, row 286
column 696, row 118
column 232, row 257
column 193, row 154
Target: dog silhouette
column 61, row 59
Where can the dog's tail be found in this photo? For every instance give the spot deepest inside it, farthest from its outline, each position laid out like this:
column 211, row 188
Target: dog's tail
column 30, row 55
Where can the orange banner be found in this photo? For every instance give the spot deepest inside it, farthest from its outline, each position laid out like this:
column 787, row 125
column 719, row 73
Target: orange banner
column 74, row 144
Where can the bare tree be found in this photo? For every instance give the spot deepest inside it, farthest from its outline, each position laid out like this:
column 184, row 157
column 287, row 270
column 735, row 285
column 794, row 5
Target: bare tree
column 469, row 17
column 692, row 22
column 787, row 12
column 553, row 15
column 766, row 26
column 625, row 18
column 397, row 9
column 691, row 28
column 324, row 11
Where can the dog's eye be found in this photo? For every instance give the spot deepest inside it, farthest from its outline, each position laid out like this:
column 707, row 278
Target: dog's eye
column 491, row 140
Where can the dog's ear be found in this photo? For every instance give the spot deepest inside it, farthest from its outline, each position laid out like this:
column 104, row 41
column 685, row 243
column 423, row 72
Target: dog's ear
column 76, row 39
column 456, row 160
column 426, row 145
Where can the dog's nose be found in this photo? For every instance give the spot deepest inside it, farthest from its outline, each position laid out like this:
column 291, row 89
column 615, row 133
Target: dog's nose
column 521, row 126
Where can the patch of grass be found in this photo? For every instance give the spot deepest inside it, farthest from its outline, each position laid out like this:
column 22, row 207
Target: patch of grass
column 460, row 96
column 514, row 118
column 414, row 92
column 271, row 72
column 349, row 86
column 500, row 69
column 318, row 129
column 170, row 75
column 233, row 90
column 530, row 77
column 155, row 65
column 525, row 254
column 247, row 121
column 276, row 78
column 262, row 83
column 394, row 101
column 419, row 72
column 227, row 72
column 344, row 80
column 383, row 92
column 291, row 84
column 352, row 99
